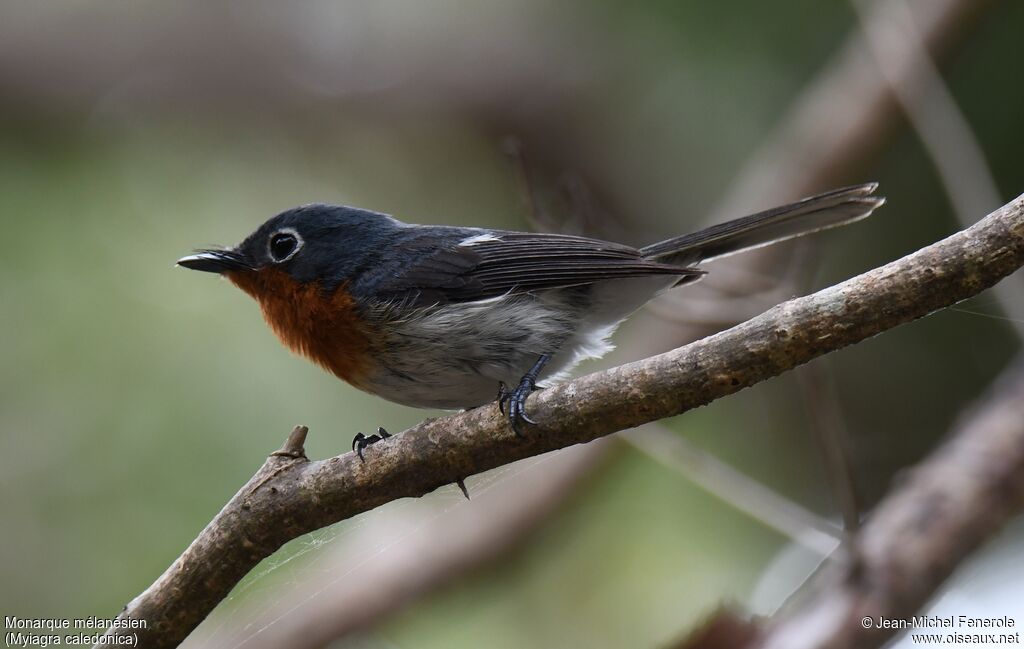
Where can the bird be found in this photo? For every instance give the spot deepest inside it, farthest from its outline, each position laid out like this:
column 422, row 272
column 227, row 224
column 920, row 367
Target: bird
column 450, row 317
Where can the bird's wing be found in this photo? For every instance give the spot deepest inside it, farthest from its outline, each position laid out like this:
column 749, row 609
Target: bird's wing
column 486, row 264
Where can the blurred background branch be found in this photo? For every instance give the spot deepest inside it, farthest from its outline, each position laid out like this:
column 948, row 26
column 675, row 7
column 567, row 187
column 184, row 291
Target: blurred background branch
column 896, row 44
column 942, row 510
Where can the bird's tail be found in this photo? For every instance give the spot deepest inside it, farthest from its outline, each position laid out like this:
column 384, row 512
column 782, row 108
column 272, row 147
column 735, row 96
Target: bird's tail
column 828, row 210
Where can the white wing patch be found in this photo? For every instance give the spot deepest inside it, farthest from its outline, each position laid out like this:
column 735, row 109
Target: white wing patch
column 479, row 238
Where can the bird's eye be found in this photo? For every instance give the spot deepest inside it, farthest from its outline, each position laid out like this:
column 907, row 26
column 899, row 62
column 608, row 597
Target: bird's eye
column 283, row 245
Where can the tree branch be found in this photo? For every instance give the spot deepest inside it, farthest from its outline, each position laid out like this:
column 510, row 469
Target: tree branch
column 945, row 508
column 339, row 602
column 290, row 496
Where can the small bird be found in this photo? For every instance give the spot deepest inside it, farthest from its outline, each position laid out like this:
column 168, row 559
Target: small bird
column 450, row 317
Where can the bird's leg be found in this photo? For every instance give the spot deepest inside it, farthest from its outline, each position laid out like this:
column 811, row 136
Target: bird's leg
column 361, row 441
column 516, row 398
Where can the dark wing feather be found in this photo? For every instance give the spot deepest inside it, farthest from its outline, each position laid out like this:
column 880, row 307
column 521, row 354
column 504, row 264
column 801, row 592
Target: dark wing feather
column 513, row 262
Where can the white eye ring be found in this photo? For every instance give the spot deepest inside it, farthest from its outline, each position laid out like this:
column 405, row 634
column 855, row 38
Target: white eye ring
column 290, row 232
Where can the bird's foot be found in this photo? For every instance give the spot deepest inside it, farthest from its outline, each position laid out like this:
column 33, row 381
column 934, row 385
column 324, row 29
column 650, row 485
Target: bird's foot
column 361, row 441
column 516, row 402
column 515, row 399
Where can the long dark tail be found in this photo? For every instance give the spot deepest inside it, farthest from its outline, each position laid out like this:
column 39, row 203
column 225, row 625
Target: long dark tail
column 828, row 210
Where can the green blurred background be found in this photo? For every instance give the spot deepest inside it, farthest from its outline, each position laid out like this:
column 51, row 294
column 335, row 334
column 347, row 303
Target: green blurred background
column 136, row 397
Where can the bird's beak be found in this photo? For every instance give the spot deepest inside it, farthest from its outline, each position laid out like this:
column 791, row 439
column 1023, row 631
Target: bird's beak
column 215, row 261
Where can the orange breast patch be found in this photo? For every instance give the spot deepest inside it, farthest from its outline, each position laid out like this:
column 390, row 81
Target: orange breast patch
column 326, row 330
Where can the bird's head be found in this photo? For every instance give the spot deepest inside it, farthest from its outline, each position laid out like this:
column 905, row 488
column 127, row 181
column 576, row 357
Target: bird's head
column 313, row 244
column 297, row 266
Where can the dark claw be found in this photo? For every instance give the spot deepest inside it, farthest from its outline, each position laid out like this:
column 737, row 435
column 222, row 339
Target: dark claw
column 462, row 485
column 516, row 398
column 361, row 441
column 503, row 395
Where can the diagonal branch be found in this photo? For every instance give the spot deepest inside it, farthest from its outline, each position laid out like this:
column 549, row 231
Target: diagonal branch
column 290, row 495
column 944, row 509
